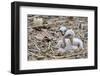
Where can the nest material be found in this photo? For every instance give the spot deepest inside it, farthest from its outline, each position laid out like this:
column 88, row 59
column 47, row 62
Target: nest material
column 43, row 39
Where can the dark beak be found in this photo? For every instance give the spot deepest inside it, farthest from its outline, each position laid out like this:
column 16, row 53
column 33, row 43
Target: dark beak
column 62, row 33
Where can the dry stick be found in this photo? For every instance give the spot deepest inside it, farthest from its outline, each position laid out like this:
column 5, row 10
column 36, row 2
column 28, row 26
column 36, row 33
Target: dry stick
column 49, row 45
column 51, row 49
column 36, row 46
column 70, row 55
column 74, row 54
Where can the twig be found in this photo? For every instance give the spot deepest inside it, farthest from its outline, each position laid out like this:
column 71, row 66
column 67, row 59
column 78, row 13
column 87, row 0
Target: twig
column 49, row 45
column 36, row 46
column 74, row 54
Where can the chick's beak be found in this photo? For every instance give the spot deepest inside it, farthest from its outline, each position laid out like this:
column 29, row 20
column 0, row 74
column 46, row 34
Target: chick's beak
column 62, row 33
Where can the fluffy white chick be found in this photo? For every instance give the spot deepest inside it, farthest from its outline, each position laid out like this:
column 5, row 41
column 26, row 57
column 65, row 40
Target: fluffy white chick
column 76, row 42
column 69, row 42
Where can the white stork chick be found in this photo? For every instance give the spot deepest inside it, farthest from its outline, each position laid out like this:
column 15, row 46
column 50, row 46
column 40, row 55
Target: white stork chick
column 75, row 42
column 69, row 42
column 63, row 45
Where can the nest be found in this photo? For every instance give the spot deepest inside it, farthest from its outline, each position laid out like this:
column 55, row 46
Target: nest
column 43, row 39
